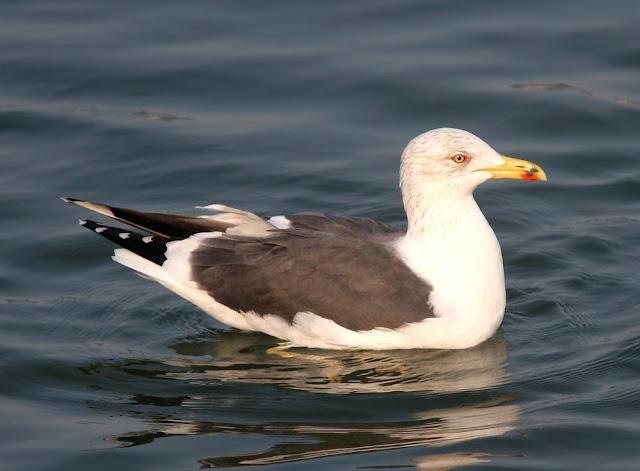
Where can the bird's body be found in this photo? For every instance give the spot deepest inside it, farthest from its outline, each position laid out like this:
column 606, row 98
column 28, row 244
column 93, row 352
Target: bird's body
column 335, row 282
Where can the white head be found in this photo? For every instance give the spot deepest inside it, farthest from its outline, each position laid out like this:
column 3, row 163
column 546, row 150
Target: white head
column 446, row 165
column 459, row 161
column 447, row 157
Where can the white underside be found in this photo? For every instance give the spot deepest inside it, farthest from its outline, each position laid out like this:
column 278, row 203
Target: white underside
column 468, row 295
column 308, row 329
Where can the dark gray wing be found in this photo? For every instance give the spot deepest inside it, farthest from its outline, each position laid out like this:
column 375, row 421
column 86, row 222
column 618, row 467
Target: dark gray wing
column 358, row 228
column 357, row 283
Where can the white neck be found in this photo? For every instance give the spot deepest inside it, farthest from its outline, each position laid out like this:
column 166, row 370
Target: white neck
column 450, row 244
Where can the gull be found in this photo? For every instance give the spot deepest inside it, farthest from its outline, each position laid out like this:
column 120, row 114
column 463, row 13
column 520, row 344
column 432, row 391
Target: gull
column 335, row 282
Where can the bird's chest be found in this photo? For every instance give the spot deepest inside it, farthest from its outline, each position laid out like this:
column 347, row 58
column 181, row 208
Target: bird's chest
column 465, row 272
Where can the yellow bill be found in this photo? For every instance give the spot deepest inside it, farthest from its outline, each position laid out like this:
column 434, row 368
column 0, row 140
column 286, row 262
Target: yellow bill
column 517, row 169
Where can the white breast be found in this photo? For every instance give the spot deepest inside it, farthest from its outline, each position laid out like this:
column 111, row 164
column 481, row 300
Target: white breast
column 460, row 257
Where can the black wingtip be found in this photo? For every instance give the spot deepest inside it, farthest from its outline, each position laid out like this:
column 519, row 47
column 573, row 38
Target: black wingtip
column 150, row 247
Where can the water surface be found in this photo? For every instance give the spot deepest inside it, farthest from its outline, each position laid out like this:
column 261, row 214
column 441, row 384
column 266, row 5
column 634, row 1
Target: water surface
column 285, row 107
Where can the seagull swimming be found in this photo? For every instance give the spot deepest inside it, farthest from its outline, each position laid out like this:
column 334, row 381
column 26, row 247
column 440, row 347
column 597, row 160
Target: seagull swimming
column 335, row 282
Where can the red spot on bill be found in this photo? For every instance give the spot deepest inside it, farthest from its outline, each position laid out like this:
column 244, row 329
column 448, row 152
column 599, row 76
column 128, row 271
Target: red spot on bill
column 529, row 176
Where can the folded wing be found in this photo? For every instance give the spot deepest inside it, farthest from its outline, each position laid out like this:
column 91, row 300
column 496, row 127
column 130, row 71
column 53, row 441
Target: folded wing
column 358, row 284
column 338, row 268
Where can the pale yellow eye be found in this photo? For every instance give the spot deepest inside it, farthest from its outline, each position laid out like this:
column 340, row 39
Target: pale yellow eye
column 460, row 158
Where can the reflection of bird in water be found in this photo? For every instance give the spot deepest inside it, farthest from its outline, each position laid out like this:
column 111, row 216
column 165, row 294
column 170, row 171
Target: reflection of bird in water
column 436, row 428
column 448, row 461
column 342, row 372
column 343, row 283
column 240, row 360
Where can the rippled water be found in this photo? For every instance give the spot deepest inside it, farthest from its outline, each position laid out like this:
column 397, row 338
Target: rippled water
column 282, row 107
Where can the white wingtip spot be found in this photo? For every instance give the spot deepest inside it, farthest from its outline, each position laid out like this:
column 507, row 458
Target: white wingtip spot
column 100, row 229
column 124, row 235
column 82, row 222
column 147, row 239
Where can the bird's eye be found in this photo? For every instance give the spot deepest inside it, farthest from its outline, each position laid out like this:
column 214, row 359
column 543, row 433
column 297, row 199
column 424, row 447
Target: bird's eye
column 460, row 158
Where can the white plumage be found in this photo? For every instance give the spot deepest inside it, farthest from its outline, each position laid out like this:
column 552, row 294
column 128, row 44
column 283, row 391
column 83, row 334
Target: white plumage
column 448, row 244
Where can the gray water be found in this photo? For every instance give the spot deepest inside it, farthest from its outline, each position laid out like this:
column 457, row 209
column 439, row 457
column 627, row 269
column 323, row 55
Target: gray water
column 283, row 107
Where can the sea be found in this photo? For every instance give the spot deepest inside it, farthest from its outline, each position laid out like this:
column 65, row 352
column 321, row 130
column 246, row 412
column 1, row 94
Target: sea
column 281, row 107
